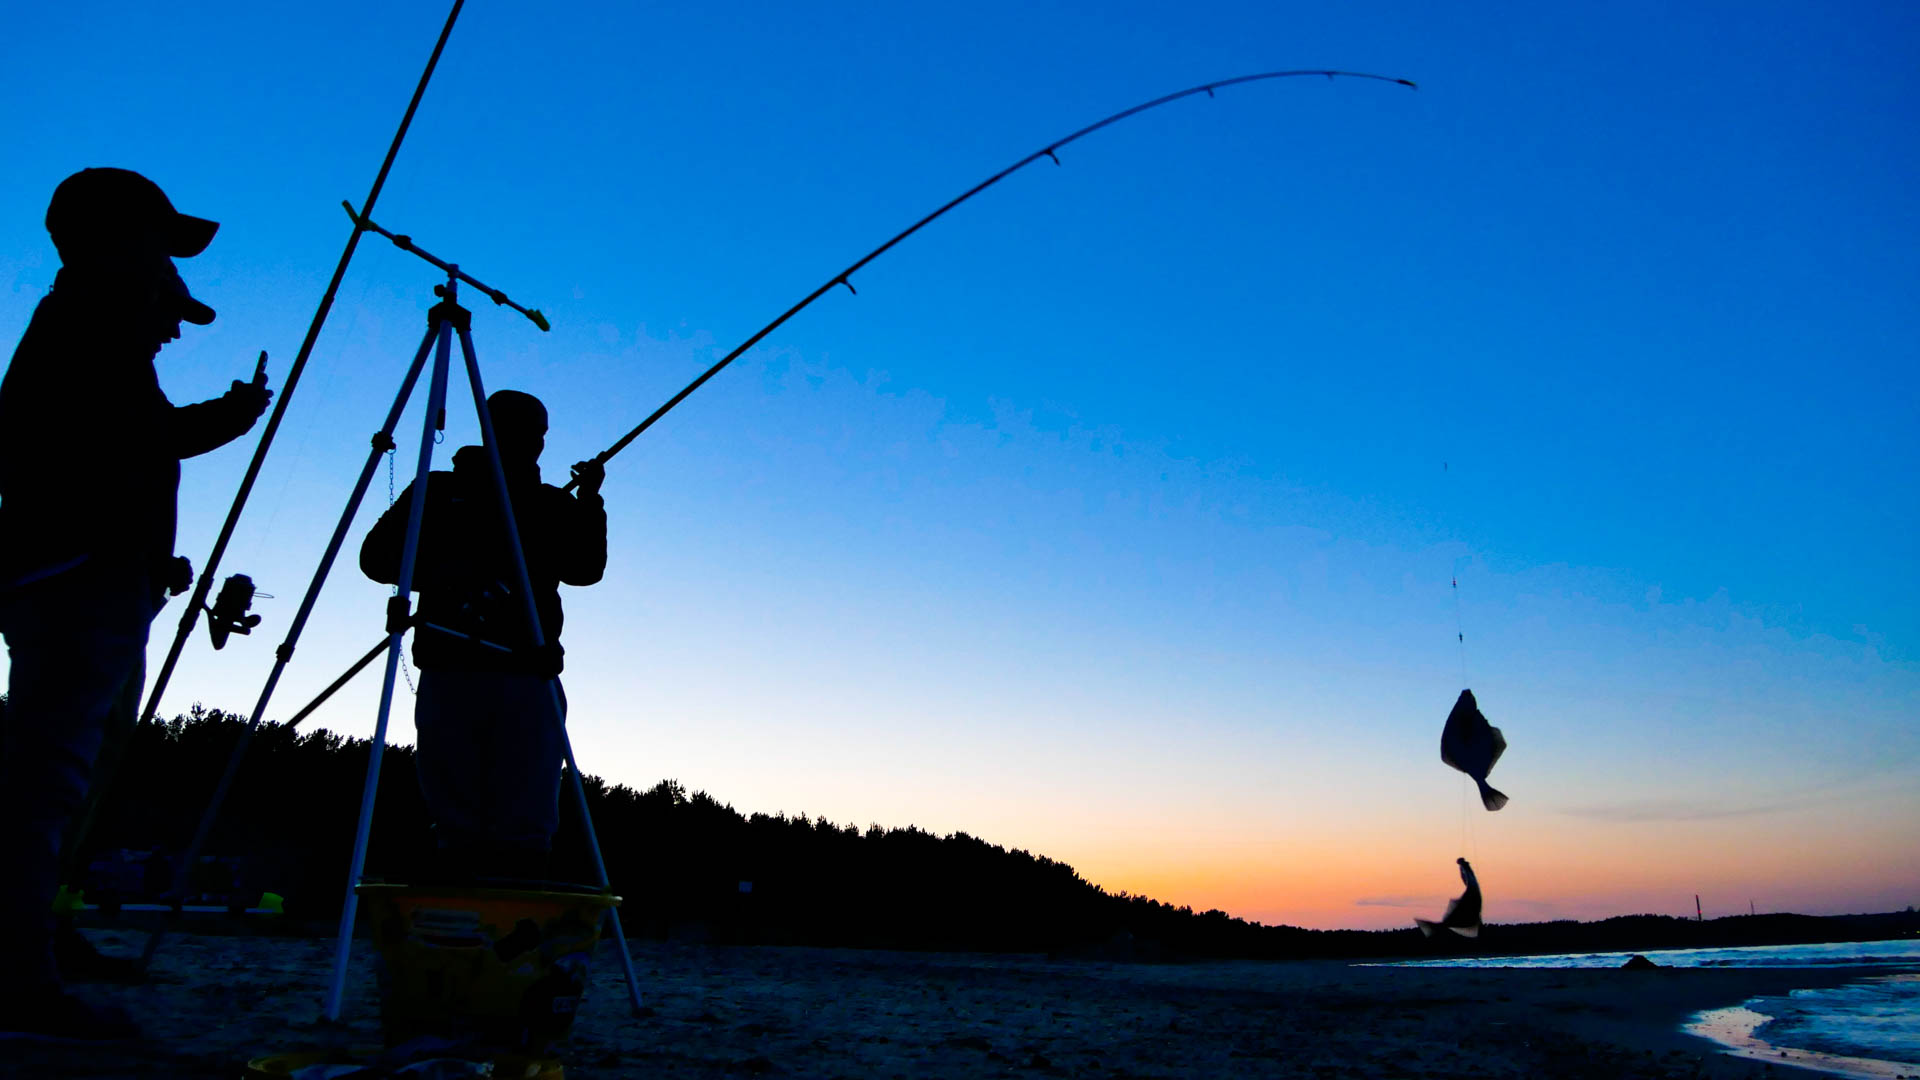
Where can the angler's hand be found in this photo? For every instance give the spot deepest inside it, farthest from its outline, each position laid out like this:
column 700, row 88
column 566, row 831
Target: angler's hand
column 252, row 397
column 179, row 575
column 589, row 475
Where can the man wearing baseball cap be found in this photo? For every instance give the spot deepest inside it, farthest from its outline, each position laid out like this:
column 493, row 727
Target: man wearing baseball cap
column 90, row 452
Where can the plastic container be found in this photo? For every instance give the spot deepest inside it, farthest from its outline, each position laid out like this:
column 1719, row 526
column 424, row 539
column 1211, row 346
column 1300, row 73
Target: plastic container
column 497, row 968
column 282, row 1066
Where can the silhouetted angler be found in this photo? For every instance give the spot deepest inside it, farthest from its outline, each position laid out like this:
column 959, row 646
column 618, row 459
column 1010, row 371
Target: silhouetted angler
column 1473, row 746
column 90, row 452
column 489, row 751
column 1463, row 914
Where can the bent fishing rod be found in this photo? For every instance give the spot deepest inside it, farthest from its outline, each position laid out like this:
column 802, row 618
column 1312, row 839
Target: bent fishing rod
column 361, row 221
column 1047, row 151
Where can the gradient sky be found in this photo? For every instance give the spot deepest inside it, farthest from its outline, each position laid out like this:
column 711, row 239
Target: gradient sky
column 1114, row 518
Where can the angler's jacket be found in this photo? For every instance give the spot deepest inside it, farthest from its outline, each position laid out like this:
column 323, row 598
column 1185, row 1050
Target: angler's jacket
column 90, row 447
column 464, row 570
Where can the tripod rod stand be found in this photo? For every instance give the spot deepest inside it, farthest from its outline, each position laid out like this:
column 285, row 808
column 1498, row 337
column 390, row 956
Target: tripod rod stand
column 361, row 664
column 443, row 319
column 382, row 443
column 439, row 332
column 447, row 318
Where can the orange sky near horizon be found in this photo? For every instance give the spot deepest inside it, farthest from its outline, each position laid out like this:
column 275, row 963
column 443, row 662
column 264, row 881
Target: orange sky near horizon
column 1531, row 871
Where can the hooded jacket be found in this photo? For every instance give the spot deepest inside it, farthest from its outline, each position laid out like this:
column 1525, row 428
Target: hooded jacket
column 464, row 570
column 90, row 447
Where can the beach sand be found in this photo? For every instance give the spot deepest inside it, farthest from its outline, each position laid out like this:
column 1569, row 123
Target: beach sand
column 723, row 1011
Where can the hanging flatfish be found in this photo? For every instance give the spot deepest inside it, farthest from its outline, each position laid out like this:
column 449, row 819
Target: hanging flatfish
column 1472, row 745
column 1463, row 914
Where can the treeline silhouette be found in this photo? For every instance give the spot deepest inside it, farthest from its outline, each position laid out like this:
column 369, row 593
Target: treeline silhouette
column 692, row 868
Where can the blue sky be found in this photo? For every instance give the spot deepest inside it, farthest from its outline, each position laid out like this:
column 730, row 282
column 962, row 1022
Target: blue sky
column 1115, row 517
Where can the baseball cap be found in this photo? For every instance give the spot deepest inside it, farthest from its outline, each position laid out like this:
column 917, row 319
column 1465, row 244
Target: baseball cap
column 184, row 305
column 98, row 210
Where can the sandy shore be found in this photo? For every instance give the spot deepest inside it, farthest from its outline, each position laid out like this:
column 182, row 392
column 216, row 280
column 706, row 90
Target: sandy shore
column 716, row 1011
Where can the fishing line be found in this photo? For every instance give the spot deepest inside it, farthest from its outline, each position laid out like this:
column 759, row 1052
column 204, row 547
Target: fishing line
column 1047, row 151
column 1460, row 627
column 1466, row 812
column 1469, row 845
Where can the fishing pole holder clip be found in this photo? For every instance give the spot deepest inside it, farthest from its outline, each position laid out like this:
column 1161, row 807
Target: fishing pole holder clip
column 399, row 614
column 449, row 310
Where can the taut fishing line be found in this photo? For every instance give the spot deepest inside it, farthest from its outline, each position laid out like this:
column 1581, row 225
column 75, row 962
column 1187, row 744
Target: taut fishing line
column 1467, row 838
column 1460, row 628
column 1468, row 846
column 1047, row 151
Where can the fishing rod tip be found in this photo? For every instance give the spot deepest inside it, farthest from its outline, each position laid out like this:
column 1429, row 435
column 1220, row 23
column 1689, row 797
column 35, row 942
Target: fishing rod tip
column 1408, row 83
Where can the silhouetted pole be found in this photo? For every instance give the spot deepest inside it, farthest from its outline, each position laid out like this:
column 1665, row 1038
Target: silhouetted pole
column 207, row 572
column 1047, row 151
column 445, row 318
column 396, row 633
column 531, row 606
column 382, row 442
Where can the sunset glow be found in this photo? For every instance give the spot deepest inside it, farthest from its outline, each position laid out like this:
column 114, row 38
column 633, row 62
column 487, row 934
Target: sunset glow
column 1117, row 517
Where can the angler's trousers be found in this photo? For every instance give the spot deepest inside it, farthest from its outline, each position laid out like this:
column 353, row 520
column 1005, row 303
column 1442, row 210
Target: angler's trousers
column 488, row 758
column 73, row 641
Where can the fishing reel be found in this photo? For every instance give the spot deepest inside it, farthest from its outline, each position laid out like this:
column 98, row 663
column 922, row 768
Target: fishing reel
column 228, row 615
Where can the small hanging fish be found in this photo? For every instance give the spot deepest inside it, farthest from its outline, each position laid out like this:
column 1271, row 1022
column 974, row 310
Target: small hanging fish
column 1472, row 745
column 1463, row 914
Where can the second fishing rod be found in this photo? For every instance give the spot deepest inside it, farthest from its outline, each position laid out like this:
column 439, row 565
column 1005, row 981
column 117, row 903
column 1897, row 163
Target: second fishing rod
column 843, row 278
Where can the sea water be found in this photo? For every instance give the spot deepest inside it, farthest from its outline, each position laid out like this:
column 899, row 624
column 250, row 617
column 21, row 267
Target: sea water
column 1876, row 1019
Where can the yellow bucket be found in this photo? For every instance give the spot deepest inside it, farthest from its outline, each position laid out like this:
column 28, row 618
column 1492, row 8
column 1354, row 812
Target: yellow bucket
column 500, row 968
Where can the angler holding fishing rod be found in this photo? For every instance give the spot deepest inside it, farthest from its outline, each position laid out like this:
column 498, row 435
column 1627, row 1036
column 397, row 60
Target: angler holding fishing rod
column 90, row 452
column 489, row 747
column 843, row 278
